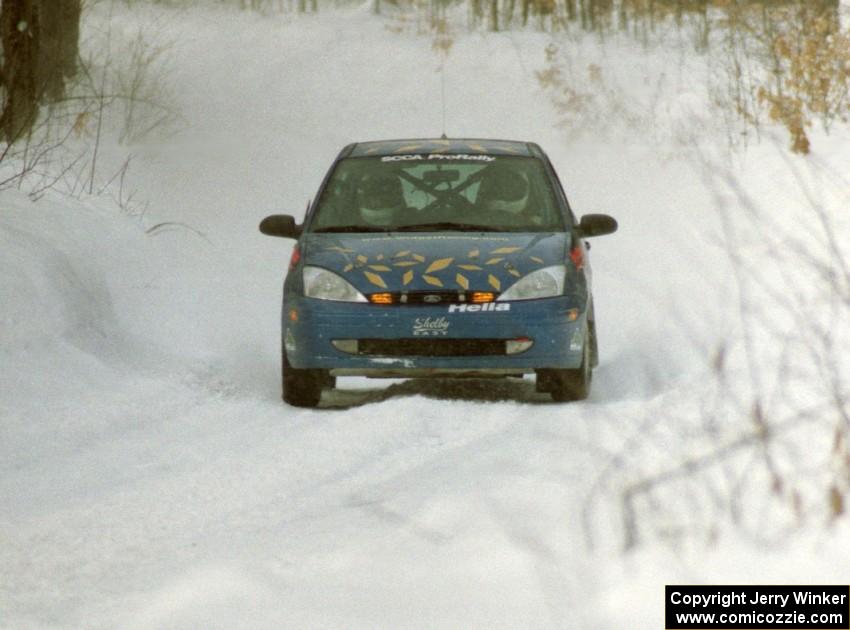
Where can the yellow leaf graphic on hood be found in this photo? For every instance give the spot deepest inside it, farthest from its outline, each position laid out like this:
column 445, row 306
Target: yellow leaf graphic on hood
column 505, row 250
column 419, row 257
column 406, row 263
column 402, row 254
column 462, row 281
column 347, row 268
column 407, row 277
column 375, row 279
column 361, row 258
column 379, row 267
column 494, row 282
column 441, row 263
column 433, row 281
column 474, row 253
column 537, row 260
column 493, row 261
column 514, row 272
column 470, row 267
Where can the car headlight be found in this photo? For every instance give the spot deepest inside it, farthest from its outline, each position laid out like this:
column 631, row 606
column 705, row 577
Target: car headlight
column 546, row 282
column 325, row 285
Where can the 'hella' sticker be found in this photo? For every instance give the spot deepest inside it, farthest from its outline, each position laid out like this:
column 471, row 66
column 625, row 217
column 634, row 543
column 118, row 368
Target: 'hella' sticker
column 479, row 308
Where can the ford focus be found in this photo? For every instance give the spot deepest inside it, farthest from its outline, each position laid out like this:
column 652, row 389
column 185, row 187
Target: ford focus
column 439, row 258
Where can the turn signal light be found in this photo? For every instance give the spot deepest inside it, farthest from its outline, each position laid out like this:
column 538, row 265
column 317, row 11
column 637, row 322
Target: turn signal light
column 577, row 256
column 381, row 298
column 480, row 297
column 296, row 256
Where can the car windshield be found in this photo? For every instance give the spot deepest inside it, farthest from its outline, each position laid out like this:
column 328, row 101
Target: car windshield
column 438, row 192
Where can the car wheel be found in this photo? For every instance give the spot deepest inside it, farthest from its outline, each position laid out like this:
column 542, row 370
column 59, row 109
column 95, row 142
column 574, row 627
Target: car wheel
column 303, row 388
column 594, row 344
column 568, row 385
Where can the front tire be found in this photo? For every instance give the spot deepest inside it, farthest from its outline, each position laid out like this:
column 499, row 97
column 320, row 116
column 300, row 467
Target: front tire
column 302, row 388
column 569, row 385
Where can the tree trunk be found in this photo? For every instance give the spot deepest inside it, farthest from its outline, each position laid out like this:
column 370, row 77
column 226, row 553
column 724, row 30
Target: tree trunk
column 571, row 10
column 19, row 33
column 60, row 34
column 475, row 9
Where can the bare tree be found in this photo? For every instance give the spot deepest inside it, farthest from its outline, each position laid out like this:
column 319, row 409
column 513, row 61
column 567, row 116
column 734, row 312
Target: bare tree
column 40, row 41
column 19, row 34
column 58, row 48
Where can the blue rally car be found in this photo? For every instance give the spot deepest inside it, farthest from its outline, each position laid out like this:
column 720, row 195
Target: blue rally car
column 439, row 258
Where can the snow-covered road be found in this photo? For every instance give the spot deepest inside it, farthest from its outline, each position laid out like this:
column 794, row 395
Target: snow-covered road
column 150, row 477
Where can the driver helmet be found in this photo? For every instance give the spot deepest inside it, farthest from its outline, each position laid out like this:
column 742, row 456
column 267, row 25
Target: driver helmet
column 504, row 189
column 379, row 197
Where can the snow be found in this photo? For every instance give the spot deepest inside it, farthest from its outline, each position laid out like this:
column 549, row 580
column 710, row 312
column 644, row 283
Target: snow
column 150, row 475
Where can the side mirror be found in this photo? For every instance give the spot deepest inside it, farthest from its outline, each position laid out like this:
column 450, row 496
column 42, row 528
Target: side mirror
column 280, row 225
column 597, row 225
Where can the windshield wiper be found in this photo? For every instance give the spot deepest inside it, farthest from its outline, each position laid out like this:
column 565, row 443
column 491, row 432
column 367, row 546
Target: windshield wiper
column 448, row 225
column 349, row 228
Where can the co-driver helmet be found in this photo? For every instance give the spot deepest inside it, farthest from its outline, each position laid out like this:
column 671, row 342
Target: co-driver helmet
column 379, row 197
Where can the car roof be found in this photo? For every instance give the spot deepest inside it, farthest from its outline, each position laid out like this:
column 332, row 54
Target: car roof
column 442, row 145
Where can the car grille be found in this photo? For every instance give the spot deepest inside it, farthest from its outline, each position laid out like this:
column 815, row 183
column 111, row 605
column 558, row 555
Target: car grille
column 431, row 298
column 430, row 347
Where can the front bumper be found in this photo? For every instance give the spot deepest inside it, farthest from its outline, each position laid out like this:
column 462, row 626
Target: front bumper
column 310, row 328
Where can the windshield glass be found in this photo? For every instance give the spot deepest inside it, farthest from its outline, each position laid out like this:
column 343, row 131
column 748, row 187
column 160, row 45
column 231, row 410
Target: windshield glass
column 438, row 192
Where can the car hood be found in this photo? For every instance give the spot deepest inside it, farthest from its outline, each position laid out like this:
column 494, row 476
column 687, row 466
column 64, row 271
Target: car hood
column 434, row 261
